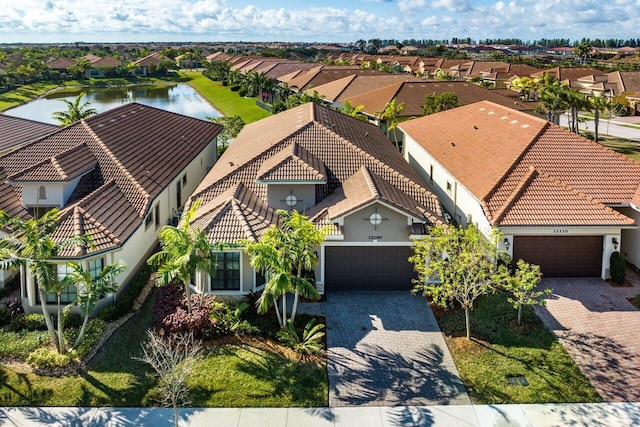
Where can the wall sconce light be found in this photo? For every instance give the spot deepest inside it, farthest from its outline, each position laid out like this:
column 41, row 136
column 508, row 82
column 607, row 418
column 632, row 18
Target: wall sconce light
column 507, row 243
column 615, row 243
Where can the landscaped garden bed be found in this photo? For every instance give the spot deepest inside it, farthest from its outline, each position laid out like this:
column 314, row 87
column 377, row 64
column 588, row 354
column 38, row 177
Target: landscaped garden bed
column 502, row 357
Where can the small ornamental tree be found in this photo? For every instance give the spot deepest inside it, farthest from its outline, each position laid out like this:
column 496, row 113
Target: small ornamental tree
column 454, row 264
column 522, row 285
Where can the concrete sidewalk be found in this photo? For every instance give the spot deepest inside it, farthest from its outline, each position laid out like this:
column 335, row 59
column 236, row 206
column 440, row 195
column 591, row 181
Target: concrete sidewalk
column 584, row 414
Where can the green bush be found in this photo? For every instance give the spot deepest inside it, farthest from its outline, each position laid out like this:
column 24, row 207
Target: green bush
column 617, row 267
column 229, row 318
column 620, row 109
column 242, row 91
column 45, row 358
column 28, row 322
column 92, row 334
column 234, row 88
column 124, row 301
column 20, row 344
column 310, row 342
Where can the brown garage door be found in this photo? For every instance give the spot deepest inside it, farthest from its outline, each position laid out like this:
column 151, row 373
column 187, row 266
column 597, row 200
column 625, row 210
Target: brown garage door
column 567, row 256
column 368, row 268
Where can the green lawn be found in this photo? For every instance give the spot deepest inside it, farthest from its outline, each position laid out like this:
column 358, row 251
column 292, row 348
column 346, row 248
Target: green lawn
column 498, row 351
column 622, row 146
column 229, row 376
column 23, row 94
column 243, row 376
column 227, row 102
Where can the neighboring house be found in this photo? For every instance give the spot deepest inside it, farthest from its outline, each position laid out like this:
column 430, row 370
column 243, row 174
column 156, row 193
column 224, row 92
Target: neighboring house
column 15, row 131
column 357, row 84
column 217, row 56
column 322, row 74
column 103, row 67
column 61, row 64
column 341, row 172
column 562, row 201
column 498, row 76
column 144, row 66
column 117, row 176
column 565, row 74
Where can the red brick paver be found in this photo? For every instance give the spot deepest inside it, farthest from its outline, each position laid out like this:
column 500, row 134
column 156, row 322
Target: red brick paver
column 600, row 329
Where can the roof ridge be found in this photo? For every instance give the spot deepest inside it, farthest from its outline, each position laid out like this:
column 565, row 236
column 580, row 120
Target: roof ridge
column 58, row 168
column 375, row 190
column 120, row 166
column 244, row 222
column 508, row 204
column 45, row 160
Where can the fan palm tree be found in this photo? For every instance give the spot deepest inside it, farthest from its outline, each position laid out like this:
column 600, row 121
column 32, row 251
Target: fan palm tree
column 29, row 245
column 90, row 289
column 75, row 111
column 184, row 251
column 391, row 114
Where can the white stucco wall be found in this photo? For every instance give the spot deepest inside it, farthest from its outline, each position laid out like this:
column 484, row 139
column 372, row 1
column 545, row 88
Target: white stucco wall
column 630, row 243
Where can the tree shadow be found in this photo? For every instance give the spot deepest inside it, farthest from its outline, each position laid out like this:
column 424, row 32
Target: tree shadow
column 411, row 416
column 24, row 393
column 610, row 366
column 371, row 375
column 597, row 414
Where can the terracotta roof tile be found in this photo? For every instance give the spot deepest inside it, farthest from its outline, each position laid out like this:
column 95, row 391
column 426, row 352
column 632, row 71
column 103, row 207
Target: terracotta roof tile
column 343, row 144
column 492, row 151
column 135, row 150
column 16, row 131
column 293, row 164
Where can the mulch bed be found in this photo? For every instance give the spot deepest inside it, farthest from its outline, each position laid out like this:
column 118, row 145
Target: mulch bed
column 635, row 302
column 615, row 284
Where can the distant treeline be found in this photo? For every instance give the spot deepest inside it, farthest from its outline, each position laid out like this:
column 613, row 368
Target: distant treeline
column 514, row 41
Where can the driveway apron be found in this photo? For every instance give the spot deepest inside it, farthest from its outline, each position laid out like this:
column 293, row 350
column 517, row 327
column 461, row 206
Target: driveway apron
column 599, row 328
column 386, row 349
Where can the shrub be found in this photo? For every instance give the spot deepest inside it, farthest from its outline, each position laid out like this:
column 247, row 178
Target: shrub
column 242, row 91
column 124, row 301
column 92, row 334
column 234, row 88
column 28, row 322
column 5, row 317
column 170, row 311
column 228, row 318
column 14, row 306
column 20, row 344
column 311, row 341
column 620, row 109
column 617, row 267
column 45, row 358
column 225, row 82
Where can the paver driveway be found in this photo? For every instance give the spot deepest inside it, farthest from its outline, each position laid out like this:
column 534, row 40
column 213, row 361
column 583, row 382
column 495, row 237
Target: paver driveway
column 600, row 329
column 386, row 349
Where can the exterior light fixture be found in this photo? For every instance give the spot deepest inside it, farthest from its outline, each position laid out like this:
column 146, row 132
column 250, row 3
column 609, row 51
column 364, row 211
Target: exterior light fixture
column 507, row 243
column 615, row 243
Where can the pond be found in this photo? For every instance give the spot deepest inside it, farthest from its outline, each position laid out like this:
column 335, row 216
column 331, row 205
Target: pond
column 180, row 98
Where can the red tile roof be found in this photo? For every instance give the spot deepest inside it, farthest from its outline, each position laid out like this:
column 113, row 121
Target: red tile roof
column 322, row 138
column 135, row 152
column 492, row 150
column 15, row 131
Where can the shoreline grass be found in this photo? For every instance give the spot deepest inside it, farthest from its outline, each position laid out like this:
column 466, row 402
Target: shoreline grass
column 224, row 100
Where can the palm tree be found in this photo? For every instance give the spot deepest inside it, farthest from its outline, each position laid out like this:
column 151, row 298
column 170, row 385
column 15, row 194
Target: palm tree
column 29, row 245
column 583, row 50
column 525, row 86
column 551, row 97
column 90, row 289
column 574, row 102
column 74, row 112
column 391, row 114
column 351, row 111
column 598, row 103
column 184, row 251
column 285, row 254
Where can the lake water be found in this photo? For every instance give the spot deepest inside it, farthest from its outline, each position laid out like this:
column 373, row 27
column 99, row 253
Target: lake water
column 180, row 98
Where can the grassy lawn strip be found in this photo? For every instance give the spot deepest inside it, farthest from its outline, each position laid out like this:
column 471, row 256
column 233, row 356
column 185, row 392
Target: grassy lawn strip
column 498, row 351
column 224, row 100
column 622, row 146
column 23, row 94
column 244, row 376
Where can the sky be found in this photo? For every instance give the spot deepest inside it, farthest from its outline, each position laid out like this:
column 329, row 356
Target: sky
column 63, row 21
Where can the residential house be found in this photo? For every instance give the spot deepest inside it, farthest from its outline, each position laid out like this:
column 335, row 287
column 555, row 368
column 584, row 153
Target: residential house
column 322, row 74
column 103, row 67
column 499, row 76
column 562, row 201
column 356, row 84
column 341, row 172
column 118, row 176
column 148, row 64
column 61, row 64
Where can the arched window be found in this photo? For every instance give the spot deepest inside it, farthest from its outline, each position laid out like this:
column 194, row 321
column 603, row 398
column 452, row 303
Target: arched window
column 42, row 192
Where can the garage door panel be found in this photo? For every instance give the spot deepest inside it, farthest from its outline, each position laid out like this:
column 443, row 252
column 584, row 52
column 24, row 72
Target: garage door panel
column 561, row 256
column 368, row 268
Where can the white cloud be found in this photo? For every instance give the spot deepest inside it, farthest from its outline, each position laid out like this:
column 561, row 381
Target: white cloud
column 210, row 20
